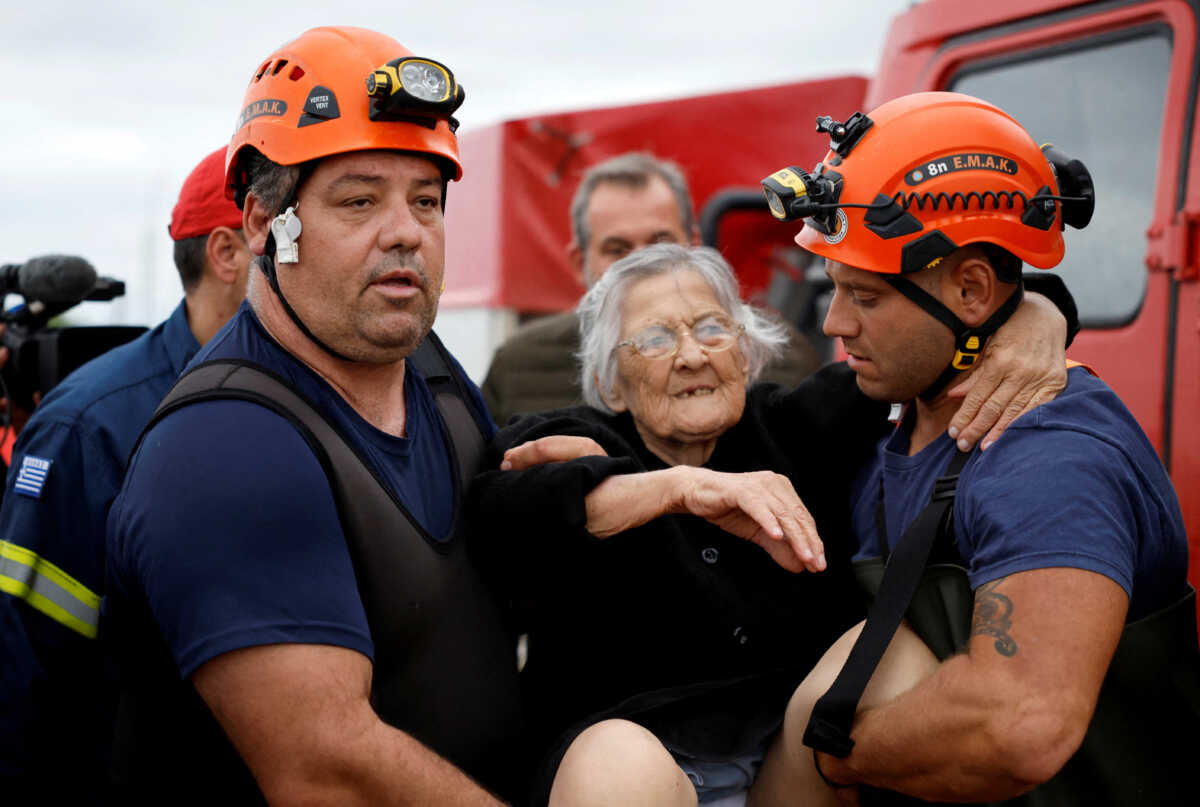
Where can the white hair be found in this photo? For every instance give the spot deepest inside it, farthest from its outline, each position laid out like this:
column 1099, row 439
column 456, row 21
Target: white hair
column 599, row 312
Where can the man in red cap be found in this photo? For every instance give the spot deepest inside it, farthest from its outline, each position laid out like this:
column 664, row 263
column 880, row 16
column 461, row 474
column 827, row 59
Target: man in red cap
column 210, row 250
column 56, row 698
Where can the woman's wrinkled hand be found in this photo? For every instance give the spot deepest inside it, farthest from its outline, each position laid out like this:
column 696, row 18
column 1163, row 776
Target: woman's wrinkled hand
column 761, row 507
column 555, row 448
column 1023, row 366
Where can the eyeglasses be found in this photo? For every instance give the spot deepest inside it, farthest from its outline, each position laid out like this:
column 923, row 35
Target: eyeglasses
column 712, row 333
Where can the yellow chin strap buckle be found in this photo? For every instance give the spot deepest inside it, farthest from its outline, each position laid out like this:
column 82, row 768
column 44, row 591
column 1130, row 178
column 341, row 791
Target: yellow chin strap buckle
column 966, row 356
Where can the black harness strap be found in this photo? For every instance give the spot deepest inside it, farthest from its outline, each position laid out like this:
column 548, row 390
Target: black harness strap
column 442, row 666
column 829, row 727
column 881, row 532
column 433, row 362
column 214, row 380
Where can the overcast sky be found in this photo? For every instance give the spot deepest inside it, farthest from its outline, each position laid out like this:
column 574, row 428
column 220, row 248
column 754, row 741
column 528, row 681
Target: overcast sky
column 106, row 107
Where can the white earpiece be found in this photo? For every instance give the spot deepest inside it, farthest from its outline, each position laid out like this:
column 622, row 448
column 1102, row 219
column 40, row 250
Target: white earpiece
column 286, row 229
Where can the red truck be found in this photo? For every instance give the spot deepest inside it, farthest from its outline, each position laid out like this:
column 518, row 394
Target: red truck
column 1113, row 81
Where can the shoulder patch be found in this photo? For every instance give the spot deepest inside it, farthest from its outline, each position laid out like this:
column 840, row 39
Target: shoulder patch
column 32, row 476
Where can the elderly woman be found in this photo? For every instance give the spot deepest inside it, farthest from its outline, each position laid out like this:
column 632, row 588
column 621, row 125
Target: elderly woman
column 664, row 642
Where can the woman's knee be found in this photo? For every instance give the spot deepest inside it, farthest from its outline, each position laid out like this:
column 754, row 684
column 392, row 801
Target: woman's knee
column 818, row 681
column 619, row 762
column 906, row 662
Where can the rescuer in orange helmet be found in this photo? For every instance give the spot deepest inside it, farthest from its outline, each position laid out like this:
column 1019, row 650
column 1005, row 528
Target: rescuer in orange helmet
column 326, row 94
column 287, row 545
column 1062, row 547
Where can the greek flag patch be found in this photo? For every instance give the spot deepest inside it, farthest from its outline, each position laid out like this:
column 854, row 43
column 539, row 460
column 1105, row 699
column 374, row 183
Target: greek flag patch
column 32, row 476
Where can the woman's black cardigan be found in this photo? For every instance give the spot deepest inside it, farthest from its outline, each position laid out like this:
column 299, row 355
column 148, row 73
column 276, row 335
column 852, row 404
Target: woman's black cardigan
column 677, row 625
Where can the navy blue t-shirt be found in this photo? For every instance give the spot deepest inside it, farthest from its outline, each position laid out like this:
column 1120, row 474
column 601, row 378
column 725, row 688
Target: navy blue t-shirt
column 1073, row 483
column 66, row 470
column 227, row 528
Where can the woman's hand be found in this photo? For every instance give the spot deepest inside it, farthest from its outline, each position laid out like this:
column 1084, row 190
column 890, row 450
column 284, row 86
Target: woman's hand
column 1023, row 366
column 761, row 507
column 555, row 448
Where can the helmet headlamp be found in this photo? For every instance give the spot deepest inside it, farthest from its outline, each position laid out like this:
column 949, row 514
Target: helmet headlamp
column 425, row 80
column 793, row 193
column 411, row 88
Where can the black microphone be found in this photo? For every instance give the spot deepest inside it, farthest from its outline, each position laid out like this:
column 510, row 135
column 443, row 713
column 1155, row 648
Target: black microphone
column 49, row 278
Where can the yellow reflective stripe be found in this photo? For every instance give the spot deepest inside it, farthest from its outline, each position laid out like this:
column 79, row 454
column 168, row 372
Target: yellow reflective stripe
column 46, row 569
column 49, row 589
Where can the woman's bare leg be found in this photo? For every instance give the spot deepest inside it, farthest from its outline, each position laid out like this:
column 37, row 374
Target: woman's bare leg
column 617, row 762
column 788, row 776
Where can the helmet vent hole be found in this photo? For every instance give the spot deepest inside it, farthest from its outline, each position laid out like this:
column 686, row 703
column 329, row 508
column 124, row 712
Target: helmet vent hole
column 279, row 65
column 297, row 73
column 262, row 70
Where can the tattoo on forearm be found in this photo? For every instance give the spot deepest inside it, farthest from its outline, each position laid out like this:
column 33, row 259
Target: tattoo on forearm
column 993, row 617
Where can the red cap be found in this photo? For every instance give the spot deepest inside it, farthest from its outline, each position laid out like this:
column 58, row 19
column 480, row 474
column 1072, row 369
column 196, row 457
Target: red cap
column 202, row 206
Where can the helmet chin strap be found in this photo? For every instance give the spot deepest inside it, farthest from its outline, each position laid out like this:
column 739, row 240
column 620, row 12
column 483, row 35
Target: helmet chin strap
column 289, row 227
column 968, row 341
column 267, row 265
column 289, row 252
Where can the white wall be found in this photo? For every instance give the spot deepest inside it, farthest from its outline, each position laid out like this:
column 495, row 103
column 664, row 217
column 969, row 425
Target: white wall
column 473, row 334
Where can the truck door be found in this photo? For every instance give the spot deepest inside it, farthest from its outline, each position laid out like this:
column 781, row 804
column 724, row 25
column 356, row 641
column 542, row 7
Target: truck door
column 1114, row 83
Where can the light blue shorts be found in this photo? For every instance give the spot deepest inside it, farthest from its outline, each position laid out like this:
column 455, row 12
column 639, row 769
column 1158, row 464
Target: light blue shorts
column 717, row 779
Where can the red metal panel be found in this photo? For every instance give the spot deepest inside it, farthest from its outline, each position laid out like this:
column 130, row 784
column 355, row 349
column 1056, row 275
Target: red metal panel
column 931, row 23
column 1185, row 443
column 1185, row 430
column 915, row 38
column 1132, row 359
column 721, row 140
column 473, row 235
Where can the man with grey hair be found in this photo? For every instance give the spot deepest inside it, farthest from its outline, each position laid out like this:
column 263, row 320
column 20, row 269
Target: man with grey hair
column 622, row 204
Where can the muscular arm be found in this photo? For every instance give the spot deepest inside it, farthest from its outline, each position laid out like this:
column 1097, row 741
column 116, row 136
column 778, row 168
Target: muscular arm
column 1008, row 714
column 299, row 716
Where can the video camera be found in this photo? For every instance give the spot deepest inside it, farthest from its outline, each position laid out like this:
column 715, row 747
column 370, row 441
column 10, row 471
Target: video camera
column 40, row 356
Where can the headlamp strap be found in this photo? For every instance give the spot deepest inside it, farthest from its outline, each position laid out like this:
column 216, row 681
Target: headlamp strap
column 968, row 342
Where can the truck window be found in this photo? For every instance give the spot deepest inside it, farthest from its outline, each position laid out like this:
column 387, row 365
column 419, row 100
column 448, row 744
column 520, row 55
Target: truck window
column 1100, row 100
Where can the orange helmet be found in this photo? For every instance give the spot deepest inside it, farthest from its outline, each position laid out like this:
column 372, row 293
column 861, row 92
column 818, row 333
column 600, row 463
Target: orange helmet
column 925, row 174
column 339, row 89
column 922, row 176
